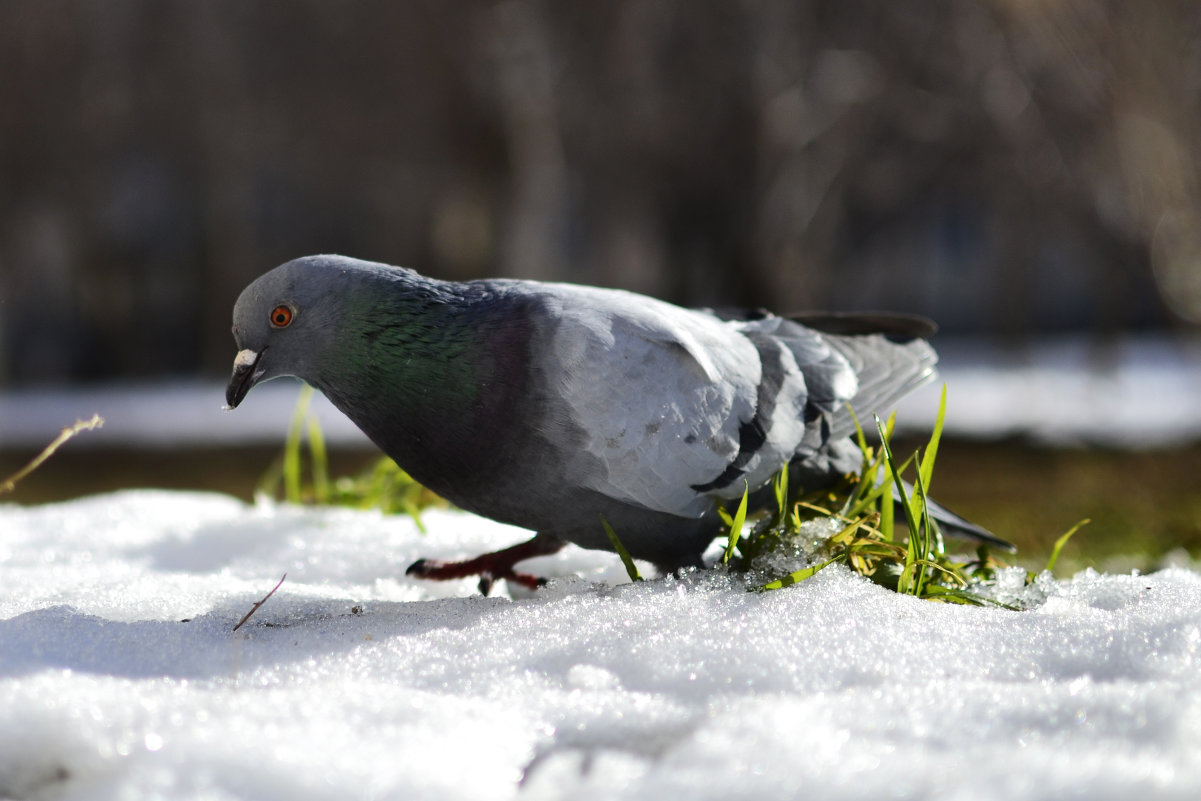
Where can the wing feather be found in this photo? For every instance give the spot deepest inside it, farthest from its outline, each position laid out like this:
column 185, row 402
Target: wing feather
column 658, row 392
column 671, row 405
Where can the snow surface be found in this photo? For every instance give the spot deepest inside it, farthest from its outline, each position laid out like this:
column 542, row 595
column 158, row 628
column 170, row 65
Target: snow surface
column 165, row 415
column 120, row 677
column 1130, row 393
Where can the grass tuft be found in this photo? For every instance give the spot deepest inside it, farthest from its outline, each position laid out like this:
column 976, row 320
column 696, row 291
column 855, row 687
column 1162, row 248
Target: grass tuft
column 382, row 486
column 911, row 560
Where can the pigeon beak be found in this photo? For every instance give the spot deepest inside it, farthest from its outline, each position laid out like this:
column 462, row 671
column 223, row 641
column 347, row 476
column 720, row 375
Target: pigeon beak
column 244, row 377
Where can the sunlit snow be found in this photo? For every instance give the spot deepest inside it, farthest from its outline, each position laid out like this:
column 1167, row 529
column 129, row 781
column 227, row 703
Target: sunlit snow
column 120, row 676
column 1129, row 393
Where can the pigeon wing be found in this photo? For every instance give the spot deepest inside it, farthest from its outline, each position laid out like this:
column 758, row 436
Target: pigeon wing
column 658, row 395
column 670, row 406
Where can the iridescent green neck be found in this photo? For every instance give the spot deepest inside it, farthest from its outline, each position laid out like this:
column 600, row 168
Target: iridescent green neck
column 407, row 354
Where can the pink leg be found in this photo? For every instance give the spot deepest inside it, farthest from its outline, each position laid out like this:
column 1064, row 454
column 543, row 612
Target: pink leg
column 491, row 566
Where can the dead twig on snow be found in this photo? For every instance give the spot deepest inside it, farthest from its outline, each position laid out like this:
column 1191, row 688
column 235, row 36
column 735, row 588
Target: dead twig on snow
column 255, row 608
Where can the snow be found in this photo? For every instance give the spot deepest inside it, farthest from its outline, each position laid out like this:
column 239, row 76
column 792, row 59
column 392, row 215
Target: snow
column 1135, row 392
column 120, row 677
column 164, row 415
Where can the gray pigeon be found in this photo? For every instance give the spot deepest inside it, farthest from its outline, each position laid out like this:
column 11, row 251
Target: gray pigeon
column 552, row 406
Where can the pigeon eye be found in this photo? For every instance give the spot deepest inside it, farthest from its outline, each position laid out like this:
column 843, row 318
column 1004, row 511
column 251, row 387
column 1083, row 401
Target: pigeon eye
column 281, row 316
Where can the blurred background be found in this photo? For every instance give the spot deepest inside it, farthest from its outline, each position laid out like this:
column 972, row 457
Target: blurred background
column 1023, row 171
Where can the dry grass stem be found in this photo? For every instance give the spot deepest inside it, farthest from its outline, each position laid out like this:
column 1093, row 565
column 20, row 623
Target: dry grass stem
column 262, row 601
column 10, row 483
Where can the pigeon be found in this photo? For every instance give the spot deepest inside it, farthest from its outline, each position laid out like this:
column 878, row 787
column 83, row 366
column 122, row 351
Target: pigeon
column 559, row 407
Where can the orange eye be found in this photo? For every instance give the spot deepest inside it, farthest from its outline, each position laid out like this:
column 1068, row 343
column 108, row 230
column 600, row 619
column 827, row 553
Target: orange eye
column 281, row 316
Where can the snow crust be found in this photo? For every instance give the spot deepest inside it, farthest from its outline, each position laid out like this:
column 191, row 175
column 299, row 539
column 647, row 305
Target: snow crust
column 1126, row 393
column 354, row 681
column 1131, row 393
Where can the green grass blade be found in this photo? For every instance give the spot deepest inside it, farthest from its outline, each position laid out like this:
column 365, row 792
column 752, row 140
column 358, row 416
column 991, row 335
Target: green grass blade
column 888, row 514
column 736, row 526
column 1062, row 541
column 626, row 559
column 906, row 507
column 924, row 535
column 954, row 595
column 926, row 468
column 870, row 499
column 414, row 511
column 320, row 459
column 291, row 468
column 936, row 592
column 382, row 486
column 861, row 441
column 888, row 426
column 781, row 491
column 797, row 576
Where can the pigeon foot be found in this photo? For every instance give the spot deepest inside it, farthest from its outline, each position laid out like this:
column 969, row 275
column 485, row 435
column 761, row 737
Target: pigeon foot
column 491, row 566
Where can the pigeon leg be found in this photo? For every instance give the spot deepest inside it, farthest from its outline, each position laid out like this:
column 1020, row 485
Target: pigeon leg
column 491, row 566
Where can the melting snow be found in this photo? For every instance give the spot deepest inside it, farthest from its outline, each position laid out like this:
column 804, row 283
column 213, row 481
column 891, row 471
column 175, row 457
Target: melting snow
column 120, row 677
column 1134, row 393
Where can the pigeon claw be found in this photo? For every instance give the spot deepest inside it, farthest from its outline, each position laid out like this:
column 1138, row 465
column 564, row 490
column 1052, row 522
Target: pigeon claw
column 526, row 580
column 491, row 567
column 445, row 571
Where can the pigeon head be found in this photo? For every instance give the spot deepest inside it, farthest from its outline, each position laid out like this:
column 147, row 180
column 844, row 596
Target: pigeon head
column 284, row 323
